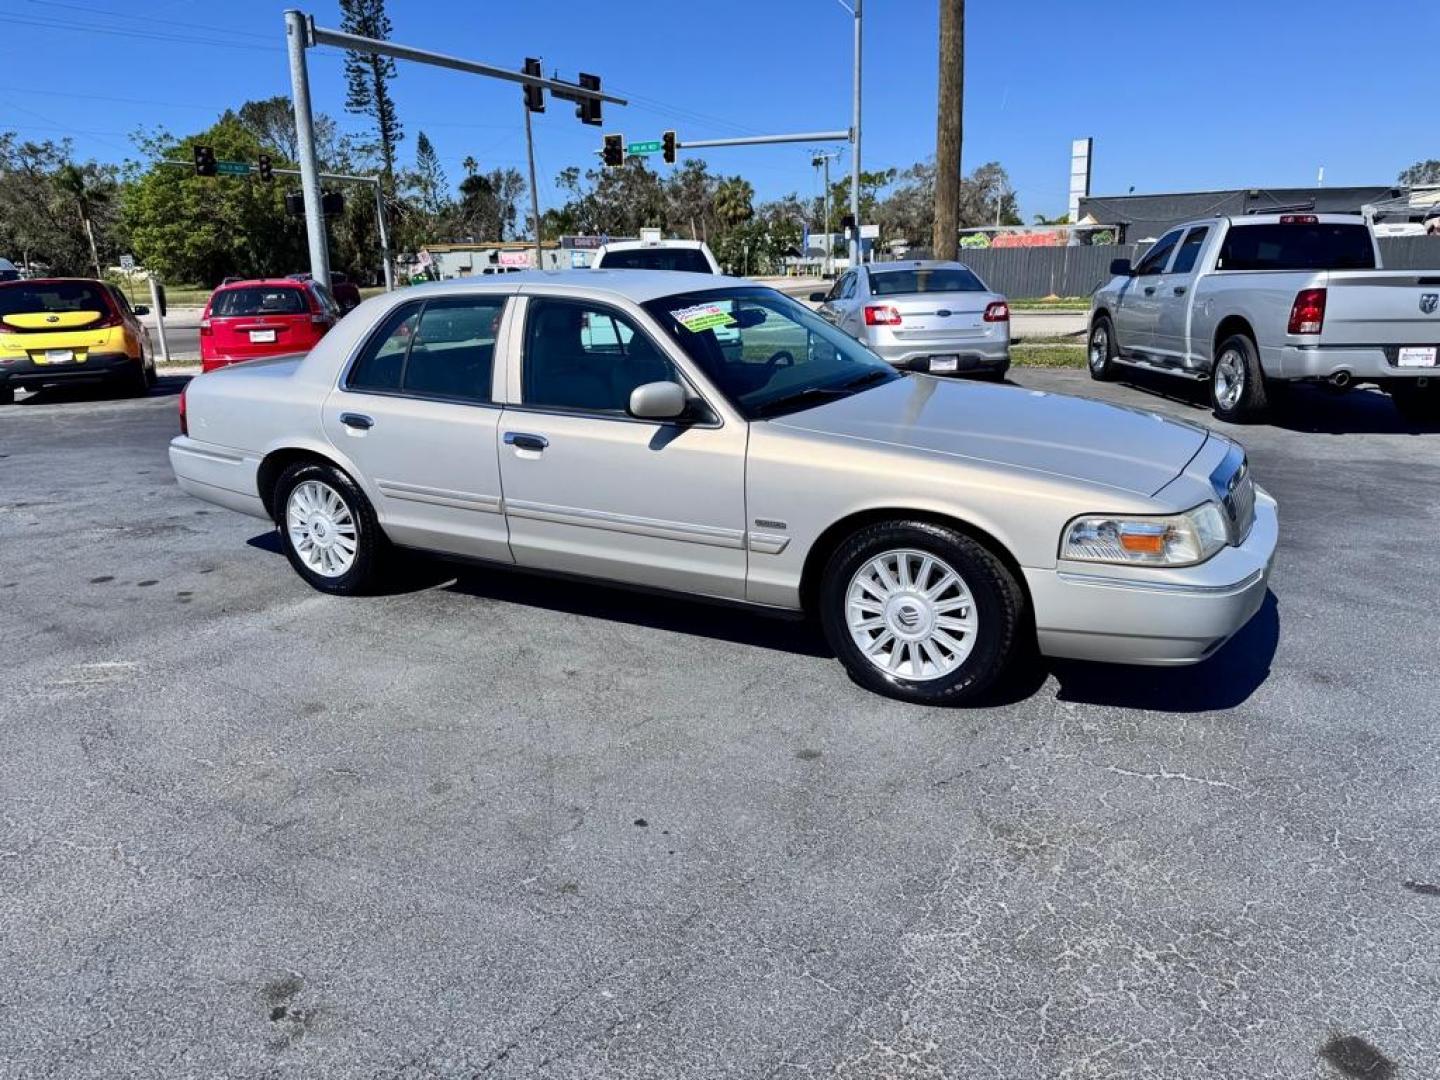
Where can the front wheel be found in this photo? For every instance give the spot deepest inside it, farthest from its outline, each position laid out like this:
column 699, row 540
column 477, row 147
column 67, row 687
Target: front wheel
column 1238, row 393
column 1101, row 355
column 920, row 612
column 328, row 529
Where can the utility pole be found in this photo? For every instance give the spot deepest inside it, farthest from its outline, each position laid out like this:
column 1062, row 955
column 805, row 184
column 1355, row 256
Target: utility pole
column 855, row 146
column 950, row 129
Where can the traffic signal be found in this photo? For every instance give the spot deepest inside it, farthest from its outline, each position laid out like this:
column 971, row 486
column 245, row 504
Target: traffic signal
column 267, row 168
column 534, row 95
column 332, row 203
column 588, row 108
column 847, row 222
column 295, row 204
column 204, row 161
column 614, row 153
column 667, row 144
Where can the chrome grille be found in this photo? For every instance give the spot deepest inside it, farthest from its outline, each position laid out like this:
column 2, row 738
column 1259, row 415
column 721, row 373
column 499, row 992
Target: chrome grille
column 1235, row 489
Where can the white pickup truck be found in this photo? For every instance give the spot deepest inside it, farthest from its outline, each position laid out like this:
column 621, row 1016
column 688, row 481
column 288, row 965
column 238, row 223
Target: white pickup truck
column 1246, row 304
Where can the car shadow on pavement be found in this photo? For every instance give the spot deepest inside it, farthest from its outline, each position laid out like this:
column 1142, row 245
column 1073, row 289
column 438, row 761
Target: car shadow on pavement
column 73, row 393
column 1224, row 681
column 1313, row 410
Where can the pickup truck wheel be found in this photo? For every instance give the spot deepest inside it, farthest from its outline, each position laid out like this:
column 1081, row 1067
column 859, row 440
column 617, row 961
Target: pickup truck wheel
column 1237, row 385
column 920, row 612
column 1101, row 354
column 1417, row 404
column 328, row 529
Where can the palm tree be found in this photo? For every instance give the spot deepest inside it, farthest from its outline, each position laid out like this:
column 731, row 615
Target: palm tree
column 469, row 165
column 74, row 182
column 733, row 201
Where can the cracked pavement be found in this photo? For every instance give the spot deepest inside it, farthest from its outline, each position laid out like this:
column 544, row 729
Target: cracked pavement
column 499, row 826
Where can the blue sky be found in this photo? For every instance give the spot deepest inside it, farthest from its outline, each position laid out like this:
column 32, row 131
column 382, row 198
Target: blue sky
column 1178, row 95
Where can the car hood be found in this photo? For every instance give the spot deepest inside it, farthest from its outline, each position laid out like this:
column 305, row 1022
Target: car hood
column 1118, row 447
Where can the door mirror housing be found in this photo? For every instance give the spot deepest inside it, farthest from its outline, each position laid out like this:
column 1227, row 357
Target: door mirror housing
column 659, row 401
column 818, row 297
column 1121, row 268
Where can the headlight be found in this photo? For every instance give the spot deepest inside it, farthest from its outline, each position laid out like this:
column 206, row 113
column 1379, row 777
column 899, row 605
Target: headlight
column 1173, row 540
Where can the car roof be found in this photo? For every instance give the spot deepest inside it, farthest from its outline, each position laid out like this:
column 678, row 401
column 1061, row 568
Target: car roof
column 54, row 281
column 914, row 264
column 635, row 245
column 635, row 285
column 248, row 283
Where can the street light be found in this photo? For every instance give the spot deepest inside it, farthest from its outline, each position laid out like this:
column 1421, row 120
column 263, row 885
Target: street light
column 855, row 138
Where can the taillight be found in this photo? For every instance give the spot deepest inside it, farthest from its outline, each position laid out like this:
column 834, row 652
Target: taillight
column 184, row 424
column 1299, row 219
column 1308, row 314
column 999, row 311
column 204, row 327
column 881, row 315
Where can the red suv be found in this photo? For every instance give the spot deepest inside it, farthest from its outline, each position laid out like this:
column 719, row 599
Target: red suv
column 272, row 317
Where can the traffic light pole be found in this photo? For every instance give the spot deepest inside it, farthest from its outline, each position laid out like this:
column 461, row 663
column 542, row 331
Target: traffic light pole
column 302, row 33
column 764, row 140
column 534, row 191
column 297, row 35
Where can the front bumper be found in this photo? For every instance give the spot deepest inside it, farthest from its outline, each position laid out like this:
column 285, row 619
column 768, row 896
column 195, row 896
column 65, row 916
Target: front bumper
column 1124, row 615
column 96, row 367
column 1362, row 362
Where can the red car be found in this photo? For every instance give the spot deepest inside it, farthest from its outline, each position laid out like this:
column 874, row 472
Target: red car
column 271, row 317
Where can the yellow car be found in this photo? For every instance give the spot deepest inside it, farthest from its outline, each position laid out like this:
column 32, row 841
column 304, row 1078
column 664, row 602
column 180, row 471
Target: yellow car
column 60, row 330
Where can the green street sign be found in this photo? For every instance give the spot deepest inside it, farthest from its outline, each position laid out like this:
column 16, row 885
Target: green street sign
column 638, row 148
column 233, row 168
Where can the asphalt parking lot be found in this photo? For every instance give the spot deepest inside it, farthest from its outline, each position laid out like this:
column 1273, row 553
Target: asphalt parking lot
column 492, row 825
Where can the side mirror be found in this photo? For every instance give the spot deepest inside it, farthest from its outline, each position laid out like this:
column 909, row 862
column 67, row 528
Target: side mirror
column 1121, row 268
column 140, row 309
column 818, row 297
column 658, row 401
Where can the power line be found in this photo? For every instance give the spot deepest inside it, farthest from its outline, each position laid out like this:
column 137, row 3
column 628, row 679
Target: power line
column 54, row 24
column 125, row 15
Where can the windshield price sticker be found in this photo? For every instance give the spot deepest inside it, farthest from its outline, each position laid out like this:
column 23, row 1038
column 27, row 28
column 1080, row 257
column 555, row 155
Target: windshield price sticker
column 703, row 317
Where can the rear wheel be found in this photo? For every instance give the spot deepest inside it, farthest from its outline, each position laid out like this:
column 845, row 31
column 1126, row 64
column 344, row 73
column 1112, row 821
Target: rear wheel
column 920, row 612
column 1237, row 384
column 328, row 529
column 1417, row 404
column 1102, row 351
column 7, row 395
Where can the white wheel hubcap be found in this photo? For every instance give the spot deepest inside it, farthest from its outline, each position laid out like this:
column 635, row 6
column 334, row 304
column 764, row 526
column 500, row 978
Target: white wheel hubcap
column 911, row 615
column 321, row 528
column 1229, row 379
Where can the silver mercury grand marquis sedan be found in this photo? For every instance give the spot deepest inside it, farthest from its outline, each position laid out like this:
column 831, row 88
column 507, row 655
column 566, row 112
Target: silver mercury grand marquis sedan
column 595, row 424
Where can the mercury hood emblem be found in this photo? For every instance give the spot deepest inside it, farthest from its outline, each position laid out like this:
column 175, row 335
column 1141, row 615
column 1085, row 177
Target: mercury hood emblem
column 1428, row 302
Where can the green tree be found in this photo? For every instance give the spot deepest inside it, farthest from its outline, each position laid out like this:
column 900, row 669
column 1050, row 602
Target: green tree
column 1421, row 174
column 201, row 229
column 489, row 204
column 430, row 177
column 734, row 197
column 367, row 80
column 51, row 208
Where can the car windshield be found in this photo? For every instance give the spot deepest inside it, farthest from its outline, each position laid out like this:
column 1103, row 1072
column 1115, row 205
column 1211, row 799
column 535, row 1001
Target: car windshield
column 767, row 353
column 51, row 296
column 657, row 258
column 924, row 279
column 258, row 300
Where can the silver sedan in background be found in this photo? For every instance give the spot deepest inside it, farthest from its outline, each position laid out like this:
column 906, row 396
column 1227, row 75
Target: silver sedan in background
column 923, row 316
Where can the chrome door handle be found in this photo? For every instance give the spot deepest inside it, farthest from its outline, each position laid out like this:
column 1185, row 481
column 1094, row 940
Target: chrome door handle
column 357, row 420
column 521, row 441
column 1179, row 290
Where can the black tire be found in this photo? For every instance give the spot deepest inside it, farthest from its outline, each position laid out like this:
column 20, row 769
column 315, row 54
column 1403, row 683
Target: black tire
column 1417, row 404
column 134, row 383
column 1237, row 358
column 998, row 607
column 1101, row 350
column 151, row 376
column 994, row 375
column 371, row 546
column 7, row 395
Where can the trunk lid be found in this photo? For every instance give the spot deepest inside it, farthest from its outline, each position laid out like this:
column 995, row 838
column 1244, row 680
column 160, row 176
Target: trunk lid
column 937, row 316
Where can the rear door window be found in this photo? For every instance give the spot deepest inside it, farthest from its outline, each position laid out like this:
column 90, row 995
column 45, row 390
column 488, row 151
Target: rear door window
column 1189, row 252
column 452, row 351
column 690, row 259
column 924, row 279
column 1296, row 246
column 258, row 300
column 381, row 362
